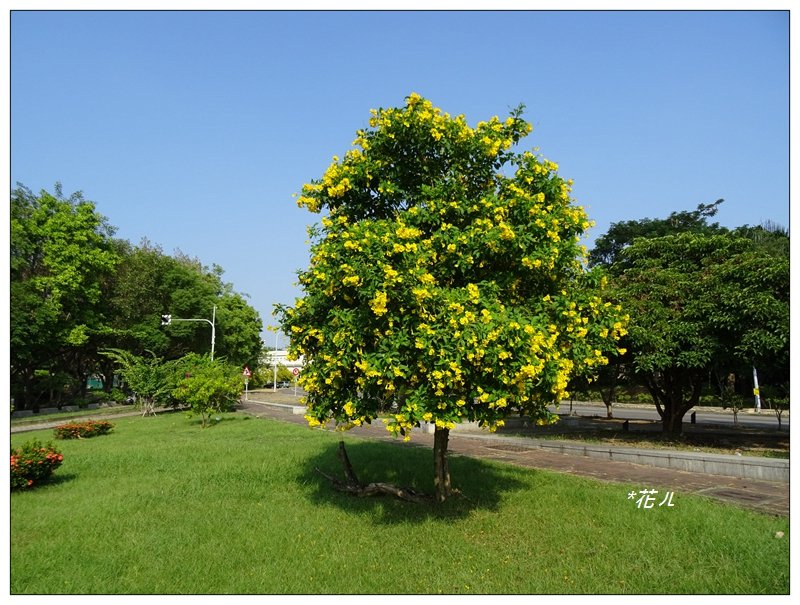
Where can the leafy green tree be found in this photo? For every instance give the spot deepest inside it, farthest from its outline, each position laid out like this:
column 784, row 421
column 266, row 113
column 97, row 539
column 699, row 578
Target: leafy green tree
column 139, row 296
column 147, row 377
column 61, row 257
column 446, row 283
column 776, row 398
column 698, row 303
column 150, row 283
column 76, row 291
column 607, row 247
column 208, row 387
column 238, row 330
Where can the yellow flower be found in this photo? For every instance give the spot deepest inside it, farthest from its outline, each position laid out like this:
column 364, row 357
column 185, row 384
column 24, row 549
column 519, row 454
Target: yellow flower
column 378, row 304
column 408, row 232
column 312, row 422
column 390, row 274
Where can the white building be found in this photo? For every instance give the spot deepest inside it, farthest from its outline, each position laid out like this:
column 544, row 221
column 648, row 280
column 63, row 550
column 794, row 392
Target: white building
column 279, row 358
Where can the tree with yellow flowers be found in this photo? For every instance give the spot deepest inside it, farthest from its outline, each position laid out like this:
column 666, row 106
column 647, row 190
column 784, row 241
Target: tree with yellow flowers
column 447, row 282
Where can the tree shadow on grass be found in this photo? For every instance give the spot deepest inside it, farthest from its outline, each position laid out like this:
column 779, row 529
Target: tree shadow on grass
column 480, row 484
column 196, row 420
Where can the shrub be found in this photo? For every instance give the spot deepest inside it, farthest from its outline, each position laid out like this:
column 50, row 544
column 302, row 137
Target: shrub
column 33, row 463
column 118, row 396
column 208, row 387
column 81, row 430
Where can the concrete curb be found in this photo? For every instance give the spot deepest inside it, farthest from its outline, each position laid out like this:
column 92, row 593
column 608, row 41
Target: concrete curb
column 747, row 467
column 285, row 407
column 651, row 406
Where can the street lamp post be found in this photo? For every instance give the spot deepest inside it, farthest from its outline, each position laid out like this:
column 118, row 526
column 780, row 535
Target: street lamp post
column 168, row 319
column 275, row 364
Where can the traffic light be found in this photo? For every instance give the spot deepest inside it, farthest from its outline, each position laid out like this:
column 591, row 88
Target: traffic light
column 166, row 320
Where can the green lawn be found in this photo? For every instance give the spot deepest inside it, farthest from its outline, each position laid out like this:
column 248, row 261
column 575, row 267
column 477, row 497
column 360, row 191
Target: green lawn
column 161, row 506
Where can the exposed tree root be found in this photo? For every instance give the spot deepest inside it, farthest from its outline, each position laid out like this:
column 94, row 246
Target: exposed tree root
column 353, row 486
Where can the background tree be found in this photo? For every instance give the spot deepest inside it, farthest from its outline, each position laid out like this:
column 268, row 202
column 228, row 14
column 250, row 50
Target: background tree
column 605, row 380
column 701, row 303
column 149, row 283
column 759, row 287
column 238, row 330
column 148, row 377
column 441, row 288
column 76, row 291
column 138, row 296
column 61, row 256
column 607, row 247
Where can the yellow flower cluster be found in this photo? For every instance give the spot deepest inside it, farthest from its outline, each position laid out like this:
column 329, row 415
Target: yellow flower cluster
column 378, row 303
column 404, row 232
column 312, row 421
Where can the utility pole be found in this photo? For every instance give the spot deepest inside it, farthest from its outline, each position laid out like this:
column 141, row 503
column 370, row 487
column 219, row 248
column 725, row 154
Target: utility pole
column 756, row 392
column 168, row 319
column 275, row 364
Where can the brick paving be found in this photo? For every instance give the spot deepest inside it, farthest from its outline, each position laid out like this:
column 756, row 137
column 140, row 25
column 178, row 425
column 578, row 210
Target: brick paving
column 763, row 496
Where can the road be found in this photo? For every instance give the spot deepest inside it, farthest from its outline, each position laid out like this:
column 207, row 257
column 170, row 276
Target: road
column 747, row 418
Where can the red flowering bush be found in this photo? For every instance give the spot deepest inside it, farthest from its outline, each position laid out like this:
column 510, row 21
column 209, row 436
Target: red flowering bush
column 81, row 430
column 33, row 463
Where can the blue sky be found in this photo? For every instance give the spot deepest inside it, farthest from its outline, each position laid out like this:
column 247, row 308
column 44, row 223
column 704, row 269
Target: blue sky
column 194, row 129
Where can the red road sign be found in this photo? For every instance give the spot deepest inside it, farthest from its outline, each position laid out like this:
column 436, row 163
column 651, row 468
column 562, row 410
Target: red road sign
column 247, row 373
column 295, row 371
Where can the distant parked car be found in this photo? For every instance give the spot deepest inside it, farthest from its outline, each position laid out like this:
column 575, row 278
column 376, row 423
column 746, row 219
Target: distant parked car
column 283, row 384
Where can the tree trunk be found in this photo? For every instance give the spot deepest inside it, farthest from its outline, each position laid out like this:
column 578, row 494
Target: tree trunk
column 608, row 394
column 441, row 468
column 349, row 473
column 668, row 391
column 355, row 487
column 672, row 422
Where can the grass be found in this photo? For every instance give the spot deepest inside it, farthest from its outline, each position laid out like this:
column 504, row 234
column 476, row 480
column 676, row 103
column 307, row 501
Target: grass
column 160, row 506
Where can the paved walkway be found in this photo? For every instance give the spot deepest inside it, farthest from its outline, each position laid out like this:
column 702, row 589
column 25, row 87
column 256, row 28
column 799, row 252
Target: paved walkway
column 763, row 496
